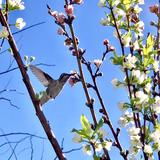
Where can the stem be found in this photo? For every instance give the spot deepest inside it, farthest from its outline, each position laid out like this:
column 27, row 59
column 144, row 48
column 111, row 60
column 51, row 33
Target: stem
column 89, row 102
column 106, row 114
column 82, row 76
column 29, row 87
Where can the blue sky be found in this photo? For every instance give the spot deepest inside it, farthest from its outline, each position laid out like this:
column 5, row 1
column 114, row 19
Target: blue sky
column 64, row 112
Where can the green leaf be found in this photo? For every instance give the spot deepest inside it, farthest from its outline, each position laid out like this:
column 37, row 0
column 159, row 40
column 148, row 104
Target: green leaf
column 82, row 133
column 149, row 45
column 117, row 60
column 95, row 157
column 127, row 4
column 86, row 125
column 32, row 58
column 26, row 58
column 99, row 125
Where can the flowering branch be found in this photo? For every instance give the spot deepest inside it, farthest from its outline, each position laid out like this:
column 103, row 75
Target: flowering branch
column 60, row 19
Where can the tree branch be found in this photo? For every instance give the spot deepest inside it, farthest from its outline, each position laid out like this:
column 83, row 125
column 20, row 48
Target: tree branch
column 29, row 87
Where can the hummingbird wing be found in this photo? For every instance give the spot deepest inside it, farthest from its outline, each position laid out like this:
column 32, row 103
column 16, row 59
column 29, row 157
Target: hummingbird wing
column 44, row 78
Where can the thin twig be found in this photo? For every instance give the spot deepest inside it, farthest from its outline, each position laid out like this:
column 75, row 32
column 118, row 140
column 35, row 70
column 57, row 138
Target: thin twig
column 15, row 68
column 6, row 138
column 37, row 24
column 31, row 143
column 10, row 102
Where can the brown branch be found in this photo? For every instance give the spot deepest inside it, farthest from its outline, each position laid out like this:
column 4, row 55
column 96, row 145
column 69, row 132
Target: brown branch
column 29, row 87
column 129, row 85
column 105, row 113
column 79, row 62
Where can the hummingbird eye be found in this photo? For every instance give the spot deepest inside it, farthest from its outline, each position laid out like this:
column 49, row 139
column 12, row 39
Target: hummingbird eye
column 64, row 76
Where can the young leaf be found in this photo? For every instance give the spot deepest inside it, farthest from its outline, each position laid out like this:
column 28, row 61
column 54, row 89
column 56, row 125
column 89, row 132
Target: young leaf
column 86, row 125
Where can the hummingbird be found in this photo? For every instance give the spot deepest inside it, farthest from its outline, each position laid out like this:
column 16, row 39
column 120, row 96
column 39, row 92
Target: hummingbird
column 54, row 87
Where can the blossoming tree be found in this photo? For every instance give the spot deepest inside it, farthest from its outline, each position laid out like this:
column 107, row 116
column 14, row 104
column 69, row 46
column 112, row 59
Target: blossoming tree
column 137, row 59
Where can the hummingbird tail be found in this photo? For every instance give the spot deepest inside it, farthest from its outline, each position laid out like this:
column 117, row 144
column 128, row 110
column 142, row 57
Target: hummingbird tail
column 44, row 99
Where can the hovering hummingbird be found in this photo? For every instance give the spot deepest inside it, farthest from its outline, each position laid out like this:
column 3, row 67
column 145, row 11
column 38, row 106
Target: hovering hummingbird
column 54, row 87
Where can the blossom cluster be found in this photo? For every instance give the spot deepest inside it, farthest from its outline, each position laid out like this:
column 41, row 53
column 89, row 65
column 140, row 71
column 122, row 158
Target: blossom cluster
column 91, row 137
column 140, row 64
column 12, row 6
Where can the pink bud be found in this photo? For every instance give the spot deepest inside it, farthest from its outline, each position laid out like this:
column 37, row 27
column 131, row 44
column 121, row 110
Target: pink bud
column 78, row 1
column 60, row 18
column 69, row 10
column 105, row 42
column 60, row 31
column 154, row 9
column 97, row 62
column 111, row 48
column 54, row 14
column 68, row 42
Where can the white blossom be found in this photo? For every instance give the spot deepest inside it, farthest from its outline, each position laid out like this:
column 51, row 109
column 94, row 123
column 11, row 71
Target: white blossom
column 97, row 62
column 147, row 87
column 98, row 147
column 141, row 1
column 126, row 39
column 130, row 62
column 116, row 2
column 102, row 132
column 137, row 9
column 107, row 145
column 156, row 66
column 105, row 21
column 77, row 138
column 139, row 28
column 156, row 136
column 133, row 150
column 87, row 149
column 20, row 23
column 136, row 46
column 121, row 106
column 18, row 4
column 156, row 108
column 133, row 131
column 143, row 98
column 148, row 149
column 101, row 3
column 116, row 83
column 136, row 144
column 4, row 33
column 142, row 77
column 136, row 73
column 125, row 119
column 119, row 12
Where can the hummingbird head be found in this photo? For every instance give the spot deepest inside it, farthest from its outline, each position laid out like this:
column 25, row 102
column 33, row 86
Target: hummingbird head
column 64, row 77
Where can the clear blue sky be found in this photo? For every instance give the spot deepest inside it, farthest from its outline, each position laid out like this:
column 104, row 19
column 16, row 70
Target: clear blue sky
column 64, row 112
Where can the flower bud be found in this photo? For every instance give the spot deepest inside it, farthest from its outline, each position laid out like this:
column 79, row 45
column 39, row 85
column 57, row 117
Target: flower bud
column 97, row 62
column 60, row 31
column 68, row 42
column 154, row 9
column 60, row 18
column 111, row 48
column 78, row 1
column 69, row 10
column 105, row 42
